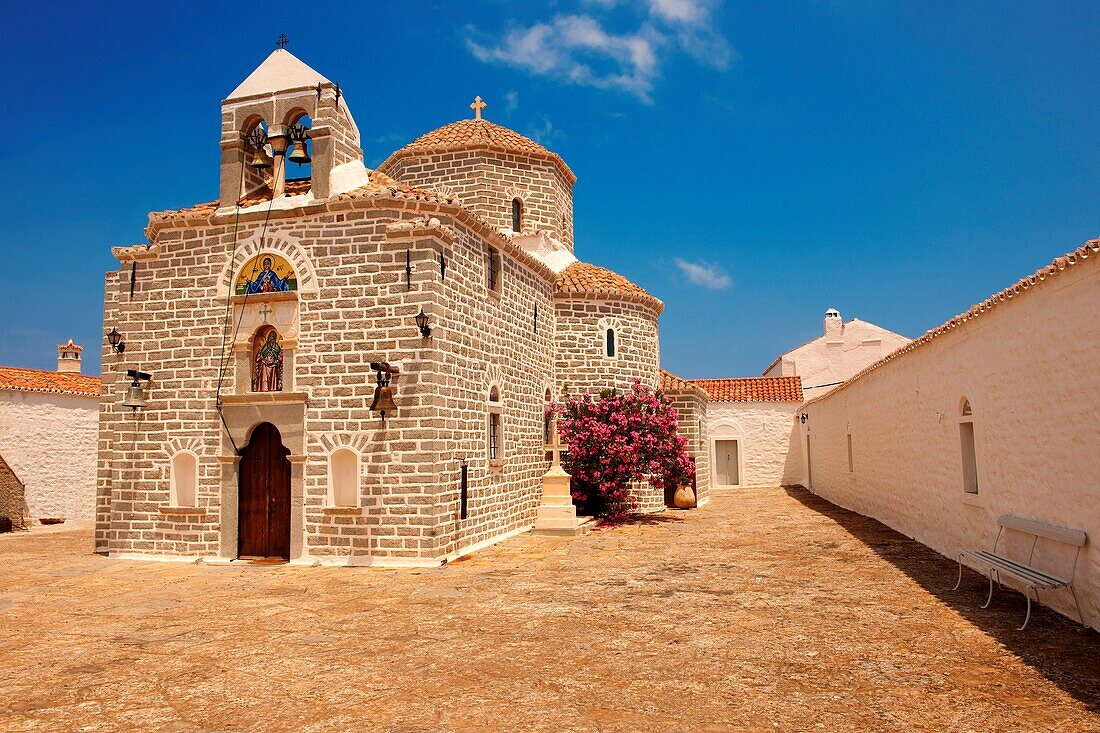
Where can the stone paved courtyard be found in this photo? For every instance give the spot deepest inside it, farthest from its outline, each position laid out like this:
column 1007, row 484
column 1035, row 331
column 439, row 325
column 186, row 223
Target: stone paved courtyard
column 767, row 610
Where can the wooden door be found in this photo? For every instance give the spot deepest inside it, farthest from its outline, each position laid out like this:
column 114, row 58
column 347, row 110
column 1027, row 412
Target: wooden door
column 263, row 524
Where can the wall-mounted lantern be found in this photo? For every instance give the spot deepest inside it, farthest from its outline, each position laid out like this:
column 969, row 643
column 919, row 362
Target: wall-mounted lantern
column 421, row 319
column 804, row 417
column 135, row 393
column 383, row 392
column 114, row 338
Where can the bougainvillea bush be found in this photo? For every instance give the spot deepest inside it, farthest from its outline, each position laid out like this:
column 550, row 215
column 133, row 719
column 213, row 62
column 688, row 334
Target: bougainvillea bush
column 616, row 438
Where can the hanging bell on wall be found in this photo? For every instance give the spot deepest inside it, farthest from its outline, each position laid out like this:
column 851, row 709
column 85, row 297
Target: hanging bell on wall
column 298, row 153
column 260, row 160
column 135, row 397
column 383, row 400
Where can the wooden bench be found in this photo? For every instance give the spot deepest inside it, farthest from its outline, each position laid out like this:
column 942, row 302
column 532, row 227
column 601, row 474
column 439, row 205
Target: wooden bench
column 1032, row 577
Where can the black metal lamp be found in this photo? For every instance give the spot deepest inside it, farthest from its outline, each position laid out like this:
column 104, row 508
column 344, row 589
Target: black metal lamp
column 422, row 323
column 114, row 338
column 804, row 417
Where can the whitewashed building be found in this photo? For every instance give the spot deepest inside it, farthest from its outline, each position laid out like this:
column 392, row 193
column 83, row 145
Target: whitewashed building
column 48, row 432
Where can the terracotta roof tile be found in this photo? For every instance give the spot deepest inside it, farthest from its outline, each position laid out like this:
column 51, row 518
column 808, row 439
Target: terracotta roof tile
column 473, row 134
column 15, row 379
column 1090, row 249
column 583, row 278
column 671, row 384
column 752, row 389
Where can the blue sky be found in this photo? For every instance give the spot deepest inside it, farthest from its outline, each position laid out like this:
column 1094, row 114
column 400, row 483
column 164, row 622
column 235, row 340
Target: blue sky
column 751, row 164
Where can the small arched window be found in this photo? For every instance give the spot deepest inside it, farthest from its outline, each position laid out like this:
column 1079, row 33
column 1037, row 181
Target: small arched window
column 609, row 343
column 517, row 215
column 494, row 439
column 184, row 479
column 343, row 478
column 968, row 447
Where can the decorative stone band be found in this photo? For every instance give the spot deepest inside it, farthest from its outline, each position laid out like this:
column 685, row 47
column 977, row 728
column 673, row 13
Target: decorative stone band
column 425, row 152
column 421, row 228
column 136, row 252
column 615, row 297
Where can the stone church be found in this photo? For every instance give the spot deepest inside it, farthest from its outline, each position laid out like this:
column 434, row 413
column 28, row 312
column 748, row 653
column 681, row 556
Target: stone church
column 353, row 366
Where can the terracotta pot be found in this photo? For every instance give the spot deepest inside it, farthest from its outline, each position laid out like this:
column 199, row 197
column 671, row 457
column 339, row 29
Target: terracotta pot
column 684, row 498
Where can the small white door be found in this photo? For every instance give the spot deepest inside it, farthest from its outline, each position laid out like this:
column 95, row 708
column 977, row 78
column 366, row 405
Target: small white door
column 726, row 463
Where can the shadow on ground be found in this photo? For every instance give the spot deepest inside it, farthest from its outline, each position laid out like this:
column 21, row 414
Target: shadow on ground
column 1060, row 649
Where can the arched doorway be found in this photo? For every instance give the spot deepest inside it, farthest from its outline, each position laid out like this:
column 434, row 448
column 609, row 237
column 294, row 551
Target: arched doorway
column 263, row 501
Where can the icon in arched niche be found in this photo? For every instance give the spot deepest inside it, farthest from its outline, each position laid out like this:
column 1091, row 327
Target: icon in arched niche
column 267, row 361
column 266, row 273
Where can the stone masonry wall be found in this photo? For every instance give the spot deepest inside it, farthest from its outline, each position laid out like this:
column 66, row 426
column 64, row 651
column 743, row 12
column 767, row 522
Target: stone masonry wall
column 581, row 364
column 488, row 181
column 12, row 495
column 691, row 412
column 49, row 440
column 362, row 311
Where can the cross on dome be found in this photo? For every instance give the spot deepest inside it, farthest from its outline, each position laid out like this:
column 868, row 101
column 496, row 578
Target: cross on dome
column 281, row 41
column 477, row 106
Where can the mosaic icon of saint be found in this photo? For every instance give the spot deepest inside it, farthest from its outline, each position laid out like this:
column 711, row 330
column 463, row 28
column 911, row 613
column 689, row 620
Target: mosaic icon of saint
column 267, row 281
column 267, row 365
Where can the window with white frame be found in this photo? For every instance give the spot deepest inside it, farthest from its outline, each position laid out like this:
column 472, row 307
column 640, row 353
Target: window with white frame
column 517, row 215
column 968, row 448
column 609, row 332
column 343, row 478
column 184, row 480
column 494, row 437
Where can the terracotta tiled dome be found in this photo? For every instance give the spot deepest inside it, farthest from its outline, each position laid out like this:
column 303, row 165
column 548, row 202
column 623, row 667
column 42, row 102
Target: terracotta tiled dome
column 585, row 279
column 477, row 134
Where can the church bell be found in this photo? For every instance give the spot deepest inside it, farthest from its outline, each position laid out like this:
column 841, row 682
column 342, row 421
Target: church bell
column 298, row 153
column 383, row 392
column 383, row 400
column 135, row 397
column 260, row 159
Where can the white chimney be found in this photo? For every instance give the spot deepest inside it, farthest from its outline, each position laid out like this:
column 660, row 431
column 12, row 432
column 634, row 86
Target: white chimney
column 68, row 357
column 833, row 322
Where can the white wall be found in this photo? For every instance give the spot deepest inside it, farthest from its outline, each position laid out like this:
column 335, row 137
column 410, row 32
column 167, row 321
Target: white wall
column 767, row 441
column 836, row 356
column 49, row 440
column 1029, row 368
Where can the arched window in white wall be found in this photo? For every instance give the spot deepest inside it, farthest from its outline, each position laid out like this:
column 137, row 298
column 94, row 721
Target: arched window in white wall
column 184, row 480
column 610, row 333
column 968, row 447
column 343, row 478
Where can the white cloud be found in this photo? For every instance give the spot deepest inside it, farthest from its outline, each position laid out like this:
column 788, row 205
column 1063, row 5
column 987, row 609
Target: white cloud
column 708, row 276
column 579, row 48
column 511, row 101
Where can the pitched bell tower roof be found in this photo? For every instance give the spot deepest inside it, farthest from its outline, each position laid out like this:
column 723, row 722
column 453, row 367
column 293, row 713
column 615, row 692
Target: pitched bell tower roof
column 280, row 72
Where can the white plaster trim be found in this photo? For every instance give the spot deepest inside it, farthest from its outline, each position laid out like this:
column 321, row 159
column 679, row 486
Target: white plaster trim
column 348, row 177
column 543, row 247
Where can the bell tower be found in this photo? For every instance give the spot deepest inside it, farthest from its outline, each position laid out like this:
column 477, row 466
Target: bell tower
column 264, row 123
